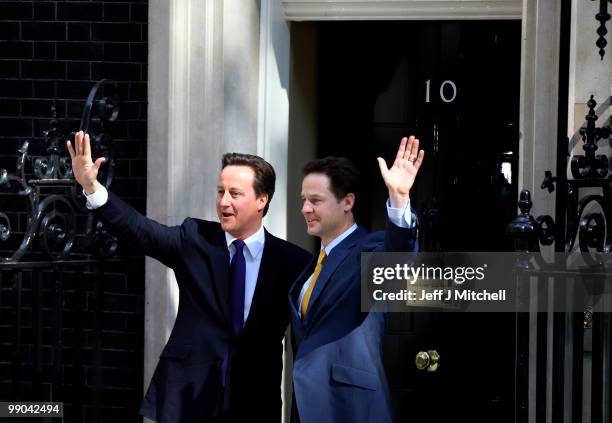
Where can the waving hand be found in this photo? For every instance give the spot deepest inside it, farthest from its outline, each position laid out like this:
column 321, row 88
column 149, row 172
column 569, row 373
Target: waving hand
column 84, row 168
column 400, row 177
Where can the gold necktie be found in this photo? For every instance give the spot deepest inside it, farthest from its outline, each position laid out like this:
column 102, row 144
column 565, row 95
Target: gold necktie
column 315, row 275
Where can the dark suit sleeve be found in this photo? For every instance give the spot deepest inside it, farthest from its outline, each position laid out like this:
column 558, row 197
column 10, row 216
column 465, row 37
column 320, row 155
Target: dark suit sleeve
column 394, row 238
column 295, row 260
column 146, row 235
column 301, row 258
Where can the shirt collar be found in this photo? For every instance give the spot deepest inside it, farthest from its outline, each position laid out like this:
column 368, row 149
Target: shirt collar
column 339, row 239
column 254, row 244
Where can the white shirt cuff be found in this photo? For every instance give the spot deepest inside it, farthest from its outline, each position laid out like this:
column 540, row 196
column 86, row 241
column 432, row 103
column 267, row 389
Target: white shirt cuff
column 400, row 217
column 96, row 199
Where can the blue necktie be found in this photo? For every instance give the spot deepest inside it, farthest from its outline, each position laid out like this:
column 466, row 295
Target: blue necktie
column 237, row 276
column 237, row 273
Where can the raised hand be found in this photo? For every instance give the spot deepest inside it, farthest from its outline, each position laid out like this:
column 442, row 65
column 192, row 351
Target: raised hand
column 400, row 177
column 85, row 170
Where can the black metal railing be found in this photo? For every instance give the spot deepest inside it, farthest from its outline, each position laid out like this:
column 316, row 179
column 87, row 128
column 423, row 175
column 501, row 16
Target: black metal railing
column 54, row 262
column 563, row 354
column 602, row 17
column 575, row 346
column 52, row 333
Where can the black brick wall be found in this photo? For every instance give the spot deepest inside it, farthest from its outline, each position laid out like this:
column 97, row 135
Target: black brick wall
column 55, row 51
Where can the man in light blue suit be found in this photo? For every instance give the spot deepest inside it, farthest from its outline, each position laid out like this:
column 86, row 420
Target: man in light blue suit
column 338, row 373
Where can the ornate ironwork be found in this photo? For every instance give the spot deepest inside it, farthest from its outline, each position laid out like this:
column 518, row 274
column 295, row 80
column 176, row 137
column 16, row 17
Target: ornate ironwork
column 53, row 199
column 591, row 165
column 549, row 181
column 587, row 217
column 602, row 16
column 528, row 232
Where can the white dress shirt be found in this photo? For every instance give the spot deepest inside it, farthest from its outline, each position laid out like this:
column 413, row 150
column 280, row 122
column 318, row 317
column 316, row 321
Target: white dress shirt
column 253, row 250
column 97, row 199
column 399, row 217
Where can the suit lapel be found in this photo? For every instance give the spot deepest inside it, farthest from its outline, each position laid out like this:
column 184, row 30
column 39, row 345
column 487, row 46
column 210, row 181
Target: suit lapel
column 219, row 257
column 265, row 276
column 337, row 256
column 294, row 294
column 294, row 291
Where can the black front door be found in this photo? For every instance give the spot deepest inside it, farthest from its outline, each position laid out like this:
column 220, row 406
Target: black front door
column 455, row 85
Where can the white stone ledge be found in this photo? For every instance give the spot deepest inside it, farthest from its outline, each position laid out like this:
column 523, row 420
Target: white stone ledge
column 313, row 10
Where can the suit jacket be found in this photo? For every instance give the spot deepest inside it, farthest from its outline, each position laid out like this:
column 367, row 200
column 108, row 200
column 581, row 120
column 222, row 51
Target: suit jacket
column 186, row 385
column 338, row 372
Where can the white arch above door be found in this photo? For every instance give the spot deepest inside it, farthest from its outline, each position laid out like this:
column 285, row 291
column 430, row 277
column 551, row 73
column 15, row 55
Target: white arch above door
column 316, row 10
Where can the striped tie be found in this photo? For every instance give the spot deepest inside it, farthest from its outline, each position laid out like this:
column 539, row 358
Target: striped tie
column 315, row 276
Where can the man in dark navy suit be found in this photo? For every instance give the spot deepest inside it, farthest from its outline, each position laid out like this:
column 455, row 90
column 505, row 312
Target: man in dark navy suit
column 223, row 360
column 338, row 372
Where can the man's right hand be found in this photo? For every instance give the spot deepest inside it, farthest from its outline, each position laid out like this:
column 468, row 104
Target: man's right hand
column 85, row 170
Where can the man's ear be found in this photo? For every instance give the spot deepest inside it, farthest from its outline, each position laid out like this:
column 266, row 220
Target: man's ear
column 262, row 200
column 348, row 202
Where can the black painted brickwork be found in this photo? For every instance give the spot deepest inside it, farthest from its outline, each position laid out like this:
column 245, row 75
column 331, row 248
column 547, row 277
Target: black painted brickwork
column 56, row 50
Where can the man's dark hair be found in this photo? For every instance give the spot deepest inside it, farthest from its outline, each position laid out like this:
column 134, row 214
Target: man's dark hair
column 342, row 173
column 265, row 178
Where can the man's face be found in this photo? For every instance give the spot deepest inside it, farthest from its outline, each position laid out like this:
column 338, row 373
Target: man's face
column 240, row 211
column 326, row 216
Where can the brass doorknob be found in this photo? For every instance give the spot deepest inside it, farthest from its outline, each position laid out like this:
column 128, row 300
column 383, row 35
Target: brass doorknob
column 429, row 360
